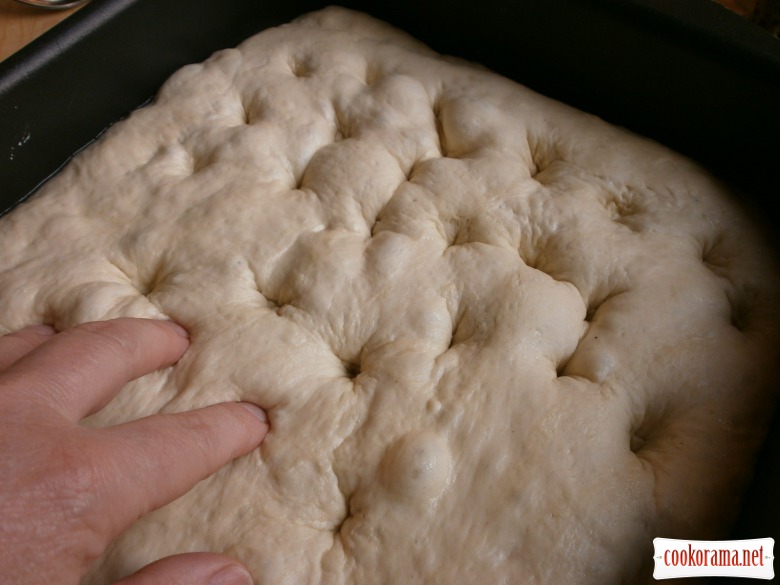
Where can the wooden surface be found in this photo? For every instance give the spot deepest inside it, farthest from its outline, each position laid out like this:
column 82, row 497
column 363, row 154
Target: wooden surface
column 744, row 8
column 19, row 24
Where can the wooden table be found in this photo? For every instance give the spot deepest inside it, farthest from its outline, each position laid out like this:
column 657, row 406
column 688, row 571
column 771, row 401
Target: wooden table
column 20, row 23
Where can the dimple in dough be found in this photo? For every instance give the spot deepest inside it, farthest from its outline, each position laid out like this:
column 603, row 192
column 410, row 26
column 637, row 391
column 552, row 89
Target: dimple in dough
column 497, row 338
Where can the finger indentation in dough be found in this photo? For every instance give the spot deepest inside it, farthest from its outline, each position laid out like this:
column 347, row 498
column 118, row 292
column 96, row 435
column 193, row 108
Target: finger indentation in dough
column 200, row 162
column 598, row 302
column 623, row 209
column 458, row 333
column 713, row 257
column 410, row 172
column 247, row 110
column 373, row 74
column 543, row 155
column 439, row 124
column 375, row 226
column 560, row 369
column 342, row 129
column 301, row 66
column 455, row 231
column 740, row 308
column 351, row 369
column 145, row 283
column 647, row 430
column 340, row 525
column 270, row 301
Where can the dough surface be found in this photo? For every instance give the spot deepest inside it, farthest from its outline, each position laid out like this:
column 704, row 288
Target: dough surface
column 495, row 336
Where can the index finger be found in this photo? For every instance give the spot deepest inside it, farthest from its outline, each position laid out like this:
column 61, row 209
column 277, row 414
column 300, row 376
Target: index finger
column 146, row 463
column 78, row 371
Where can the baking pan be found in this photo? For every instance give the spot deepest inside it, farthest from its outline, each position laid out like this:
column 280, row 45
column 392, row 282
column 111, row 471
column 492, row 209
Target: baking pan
column 689, row 74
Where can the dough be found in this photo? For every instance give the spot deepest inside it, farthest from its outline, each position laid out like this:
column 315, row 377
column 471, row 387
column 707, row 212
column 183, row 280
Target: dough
column 498, row 339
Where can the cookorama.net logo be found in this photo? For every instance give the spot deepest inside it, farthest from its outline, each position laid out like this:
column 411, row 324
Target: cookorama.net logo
column 752, row 559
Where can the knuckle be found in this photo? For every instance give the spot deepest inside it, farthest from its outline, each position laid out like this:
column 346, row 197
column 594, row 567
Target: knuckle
column 102, row 337
column 102, row 332
column 26, row 338
column 72, row 488
column 216, row 434
column 71, row 481
column 203, row 432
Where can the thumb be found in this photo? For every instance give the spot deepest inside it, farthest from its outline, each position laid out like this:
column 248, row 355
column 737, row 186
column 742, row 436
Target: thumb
column 191, row 569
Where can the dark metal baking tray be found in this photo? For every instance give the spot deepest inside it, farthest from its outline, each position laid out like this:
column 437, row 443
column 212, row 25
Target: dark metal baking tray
column 689, row 74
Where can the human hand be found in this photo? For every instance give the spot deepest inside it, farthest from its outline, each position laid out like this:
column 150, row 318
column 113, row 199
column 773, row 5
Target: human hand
column 67, row 491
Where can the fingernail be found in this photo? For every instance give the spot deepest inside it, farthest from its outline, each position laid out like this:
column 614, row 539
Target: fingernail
column 179, row 329
column 233, row 575
column 43, row 329
column 256, row 410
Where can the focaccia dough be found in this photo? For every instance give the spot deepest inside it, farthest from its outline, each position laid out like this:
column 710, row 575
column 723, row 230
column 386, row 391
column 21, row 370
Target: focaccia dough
column 499, row 340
